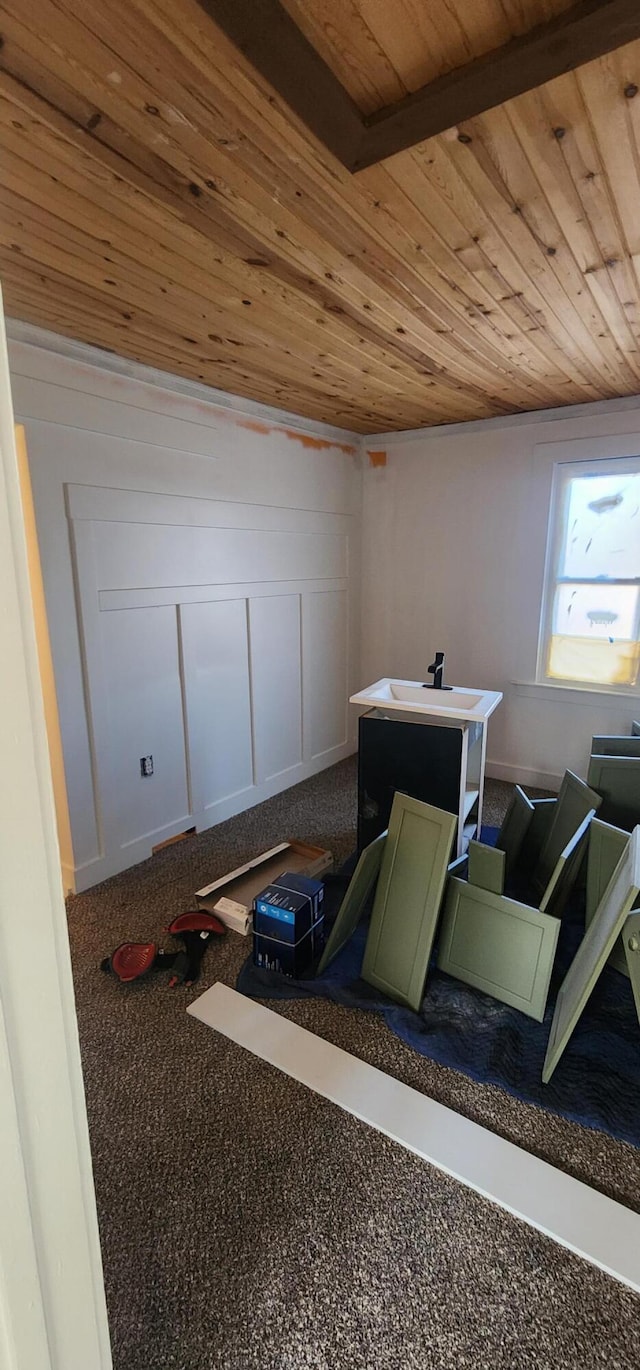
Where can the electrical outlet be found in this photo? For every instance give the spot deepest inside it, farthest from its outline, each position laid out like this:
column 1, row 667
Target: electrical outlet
column 146, row 766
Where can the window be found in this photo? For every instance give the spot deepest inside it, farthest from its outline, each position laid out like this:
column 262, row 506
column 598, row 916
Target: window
column 590, row 627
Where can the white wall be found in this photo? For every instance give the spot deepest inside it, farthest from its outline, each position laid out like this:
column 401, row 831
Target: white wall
column 454, row 538
column 176, row 517
column 201, row 572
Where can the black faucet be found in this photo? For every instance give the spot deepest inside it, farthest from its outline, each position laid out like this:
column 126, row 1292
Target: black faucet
column 436, row 669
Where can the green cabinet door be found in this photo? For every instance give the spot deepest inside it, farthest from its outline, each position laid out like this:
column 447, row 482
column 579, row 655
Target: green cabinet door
column 566, row 870
column 515, row 826
column 572, row 806
column 486, row 867
column 537, row 833
column 606, row 845
column 408, row 897
column 631, row 942
column 617, row 779
column 352, row 906
column 614, row 745
column 499, row 946
column 596, row 946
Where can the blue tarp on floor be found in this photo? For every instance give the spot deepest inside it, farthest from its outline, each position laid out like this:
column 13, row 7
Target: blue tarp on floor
column 597, row 1082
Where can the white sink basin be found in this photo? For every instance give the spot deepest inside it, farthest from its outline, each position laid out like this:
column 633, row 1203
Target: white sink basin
column 415, row 694
column 410, row 696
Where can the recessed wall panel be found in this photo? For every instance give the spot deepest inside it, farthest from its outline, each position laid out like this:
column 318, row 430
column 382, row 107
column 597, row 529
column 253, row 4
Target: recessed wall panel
column 215, row 654
column 144, row 717
column 276, row 684
column 325, row 686
column 151, row 554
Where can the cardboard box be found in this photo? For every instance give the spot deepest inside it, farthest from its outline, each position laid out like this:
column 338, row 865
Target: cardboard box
column 232, row 896
column 304, row 884
column 288, row 924
column 288, row 908
column 289, row 958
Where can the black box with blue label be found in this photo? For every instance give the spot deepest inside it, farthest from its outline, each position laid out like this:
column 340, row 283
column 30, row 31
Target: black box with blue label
column 288, row 924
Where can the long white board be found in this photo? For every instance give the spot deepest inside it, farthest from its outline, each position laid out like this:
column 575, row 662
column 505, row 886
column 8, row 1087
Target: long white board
column 587, row 1222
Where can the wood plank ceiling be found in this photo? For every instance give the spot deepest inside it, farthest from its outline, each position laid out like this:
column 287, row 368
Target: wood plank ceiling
column 158, row 199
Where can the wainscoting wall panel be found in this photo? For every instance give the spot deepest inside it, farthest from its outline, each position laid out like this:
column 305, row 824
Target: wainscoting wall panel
column 324, row 654
column 233, row 687
column 201, row 567
column 157, row 555
column 141, row 673
column 215, row 661
column 276, row 685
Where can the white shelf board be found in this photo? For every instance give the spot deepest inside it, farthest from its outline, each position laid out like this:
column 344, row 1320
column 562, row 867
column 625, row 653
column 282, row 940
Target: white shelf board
column 585, row 1221
column 471, row 797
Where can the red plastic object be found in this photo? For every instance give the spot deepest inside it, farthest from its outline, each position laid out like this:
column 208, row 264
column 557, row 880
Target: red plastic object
column 197, row 920
column 132, row 959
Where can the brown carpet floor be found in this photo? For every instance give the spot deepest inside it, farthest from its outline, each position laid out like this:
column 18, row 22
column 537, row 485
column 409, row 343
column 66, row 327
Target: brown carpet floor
column 248, row 1224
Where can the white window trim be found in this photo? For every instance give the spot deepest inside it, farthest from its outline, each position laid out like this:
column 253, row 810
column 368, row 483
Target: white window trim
column 563, row 473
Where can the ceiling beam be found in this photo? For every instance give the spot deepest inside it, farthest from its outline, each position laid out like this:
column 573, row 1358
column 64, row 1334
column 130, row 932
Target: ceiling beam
column 268, row 37
column 586, row 31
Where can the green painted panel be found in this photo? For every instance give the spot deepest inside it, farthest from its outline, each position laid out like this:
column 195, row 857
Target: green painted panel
column 408, row 898
column 515, row 825
column 615, row 746
column 486, row 867
column 595, row 948
column 606, row 846
column 352, row 906
column 499, row 946
column 618, row 959
column 573, row 804
column 617, row 779
column 537, row 832
column 631, row 941
column 566, row 870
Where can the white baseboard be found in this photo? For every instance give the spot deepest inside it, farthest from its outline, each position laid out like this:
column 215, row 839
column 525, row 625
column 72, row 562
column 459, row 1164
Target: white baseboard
column 593, row 1226
column 523, row 775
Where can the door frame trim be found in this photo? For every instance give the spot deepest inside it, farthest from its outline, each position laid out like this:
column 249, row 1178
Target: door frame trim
column 52, row 1302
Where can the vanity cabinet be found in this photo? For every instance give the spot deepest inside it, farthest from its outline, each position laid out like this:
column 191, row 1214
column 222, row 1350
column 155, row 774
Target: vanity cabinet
column 441, row 763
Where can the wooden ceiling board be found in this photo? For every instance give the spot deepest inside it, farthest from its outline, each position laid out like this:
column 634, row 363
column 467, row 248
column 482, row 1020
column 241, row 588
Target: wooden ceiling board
column 382, row 50
column 158, row 199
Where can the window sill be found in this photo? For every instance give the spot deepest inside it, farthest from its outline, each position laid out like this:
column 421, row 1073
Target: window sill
column 587, row 695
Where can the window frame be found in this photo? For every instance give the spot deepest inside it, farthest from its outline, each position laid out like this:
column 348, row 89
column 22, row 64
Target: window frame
column 563, row 474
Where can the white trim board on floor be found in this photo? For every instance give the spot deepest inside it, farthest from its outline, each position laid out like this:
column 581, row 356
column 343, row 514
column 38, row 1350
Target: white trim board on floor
column 597, row 1228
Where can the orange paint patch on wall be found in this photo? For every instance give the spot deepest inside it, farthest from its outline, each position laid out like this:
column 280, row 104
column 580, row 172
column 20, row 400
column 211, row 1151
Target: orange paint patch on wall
column 377, row 458
column 307, row 439
column 255, row 426
column 319, row 444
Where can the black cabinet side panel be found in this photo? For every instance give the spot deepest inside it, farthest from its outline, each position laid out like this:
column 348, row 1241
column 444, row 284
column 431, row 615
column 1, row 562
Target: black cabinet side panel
column 424, row 762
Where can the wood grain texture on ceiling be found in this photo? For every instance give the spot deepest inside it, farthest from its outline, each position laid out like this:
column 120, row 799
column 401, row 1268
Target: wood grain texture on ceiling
column 158, row 199
column 382, row 50
column 285, row 55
